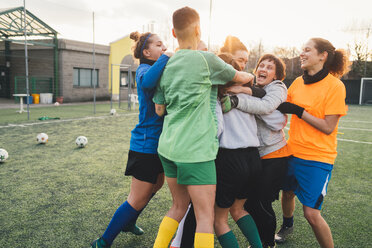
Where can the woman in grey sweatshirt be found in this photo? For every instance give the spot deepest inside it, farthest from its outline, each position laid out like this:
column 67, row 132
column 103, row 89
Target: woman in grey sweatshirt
column 270, row 70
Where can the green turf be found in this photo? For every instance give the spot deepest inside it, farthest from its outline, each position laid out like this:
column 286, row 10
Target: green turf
column 57, row 195
column 63, row 111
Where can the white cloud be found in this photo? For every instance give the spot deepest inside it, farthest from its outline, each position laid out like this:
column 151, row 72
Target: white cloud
column 283, row 23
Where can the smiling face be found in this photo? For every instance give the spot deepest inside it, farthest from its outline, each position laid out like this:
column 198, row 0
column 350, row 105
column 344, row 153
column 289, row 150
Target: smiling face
column 155, row 48
column 265, row 72
column 241, row 57
column 311, row 60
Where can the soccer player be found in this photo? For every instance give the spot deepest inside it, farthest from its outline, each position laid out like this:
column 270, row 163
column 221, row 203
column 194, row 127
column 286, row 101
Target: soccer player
column 274, row 152
column 143, row 162
column 188, row 143
column 238, row 167
column 232, row 51
column 316, row 101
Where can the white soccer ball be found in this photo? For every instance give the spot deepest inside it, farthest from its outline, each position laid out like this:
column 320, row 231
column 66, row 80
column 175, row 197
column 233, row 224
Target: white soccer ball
column 56, row 104
column 81, row 141
column 112, row 111
column 3, row 155
column 42, row 138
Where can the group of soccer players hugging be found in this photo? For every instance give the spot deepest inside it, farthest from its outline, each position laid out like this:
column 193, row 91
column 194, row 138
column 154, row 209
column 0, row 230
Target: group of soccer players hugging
column 216, row 133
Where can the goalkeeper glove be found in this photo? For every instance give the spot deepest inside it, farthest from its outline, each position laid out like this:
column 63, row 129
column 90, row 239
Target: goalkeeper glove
column 228, row 103
column 291, row 108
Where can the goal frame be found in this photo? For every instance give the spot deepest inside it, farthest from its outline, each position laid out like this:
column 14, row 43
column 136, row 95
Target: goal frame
column 361, row 88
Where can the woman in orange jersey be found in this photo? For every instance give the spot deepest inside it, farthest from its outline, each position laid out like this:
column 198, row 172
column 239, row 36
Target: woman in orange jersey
column 316, row 101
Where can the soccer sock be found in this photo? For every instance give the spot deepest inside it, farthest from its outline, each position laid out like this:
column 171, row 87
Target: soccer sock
column 249, row 229
column 204, row 240
column 228, row 240
column 288, row 222
column 131, row 225
column 167, row 228
column 123, row 215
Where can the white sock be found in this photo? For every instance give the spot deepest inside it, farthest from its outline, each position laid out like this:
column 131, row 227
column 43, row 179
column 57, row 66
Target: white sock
column 176, row 242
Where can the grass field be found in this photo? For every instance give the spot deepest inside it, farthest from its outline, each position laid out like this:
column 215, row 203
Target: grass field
column 57, row 195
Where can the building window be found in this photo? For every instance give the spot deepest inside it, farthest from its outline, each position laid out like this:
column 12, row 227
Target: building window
column 85, row 77
column 124, row 79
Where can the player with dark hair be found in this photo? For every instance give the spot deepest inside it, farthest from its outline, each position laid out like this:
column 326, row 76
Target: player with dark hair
column 143, row 162
column 316, row 101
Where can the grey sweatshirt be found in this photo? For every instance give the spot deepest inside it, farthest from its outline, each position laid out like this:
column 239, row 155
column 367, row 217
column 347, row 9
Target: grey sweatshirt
column 236, row 129
column 270, row 122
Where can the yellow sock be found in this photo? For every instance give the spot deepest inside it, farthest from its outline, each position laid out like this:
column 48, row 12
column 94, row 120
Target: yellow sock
column 167, row 229
column 204, row 240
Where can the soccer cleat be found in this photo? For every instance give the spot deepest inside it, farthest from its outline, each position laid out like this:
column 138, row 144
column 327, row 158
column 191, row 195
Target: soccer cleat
column 133, row 228
column 281, row 235
column 99, row 243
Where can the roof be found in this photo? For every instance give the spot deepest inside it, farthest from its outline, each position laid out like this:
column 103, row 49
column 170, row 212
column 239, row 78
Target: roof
column 12, row 24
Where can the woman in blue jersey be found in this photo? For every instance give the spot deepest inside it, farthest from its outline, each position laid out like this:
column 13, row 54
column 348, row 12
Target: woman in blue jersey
column 143, row 162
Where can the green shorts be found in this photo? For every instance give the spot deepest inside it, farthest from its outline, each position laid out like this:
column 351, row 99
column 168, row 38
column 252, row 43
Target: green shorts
column 202, row 173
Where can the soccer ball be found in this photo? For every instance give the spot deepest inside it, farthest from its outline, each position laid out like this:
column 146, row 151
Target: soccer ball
column 81, row 141
column 3, row 155
column 42, row 138
column 112, row 111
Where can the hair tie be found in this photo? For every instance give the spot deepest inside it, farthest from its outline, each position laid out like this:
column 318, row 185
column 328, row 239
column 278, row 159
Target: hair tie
column 144, row 43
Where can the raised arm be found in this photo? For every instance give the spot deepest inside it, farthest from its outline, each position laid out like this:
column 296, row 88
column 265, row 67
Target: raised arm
column 152, row 76
column 242, row 77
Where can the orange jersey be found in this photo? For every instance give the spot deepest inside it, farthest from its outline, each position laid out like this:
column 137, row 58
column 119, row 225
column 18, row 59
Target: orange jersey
column 285, row 151
column 326, row 97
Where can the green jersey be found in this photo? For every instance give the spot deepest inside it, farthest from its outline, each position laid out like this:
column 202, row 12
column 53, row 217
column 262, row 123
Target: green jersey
column 188, row 88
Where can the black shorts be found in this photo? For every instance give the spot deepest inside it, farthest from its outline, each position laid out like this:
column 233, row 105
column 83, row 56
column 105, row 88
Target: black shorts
column 144, row 166
column 237, row 175
column 273, row 175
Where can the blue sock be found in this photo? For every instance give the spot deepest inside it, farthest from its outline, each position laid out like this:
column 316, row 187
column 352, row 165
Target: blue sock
column 134, row 220
column 123, row 215
column 288, row 222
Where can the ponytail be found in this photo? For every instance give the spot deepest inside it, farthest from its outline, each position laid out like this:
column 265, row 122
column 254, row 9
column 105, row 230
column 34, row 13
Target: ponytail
column 337, row 61
column 142, row 42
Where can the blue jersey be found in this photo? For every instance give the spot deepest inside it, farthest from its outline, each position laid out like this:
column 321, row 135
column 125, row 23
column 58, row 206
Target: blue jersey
column 145, row 136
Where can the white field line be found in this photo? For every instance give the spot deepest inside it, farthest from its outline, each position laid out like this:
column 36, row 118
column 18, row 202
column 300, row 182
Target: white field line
column 356, row 121
column 358, row 129
column 347, row 140
column 355, row 141
column 57, row 121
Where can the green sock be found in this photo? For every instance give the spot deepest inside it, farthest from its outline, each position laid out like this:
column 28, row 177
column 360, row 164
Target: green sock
column 228, row 240
column 249, row 229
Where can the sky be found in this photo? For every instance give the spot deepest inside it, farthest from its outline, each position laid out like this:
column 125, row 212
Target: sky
column 273, row 23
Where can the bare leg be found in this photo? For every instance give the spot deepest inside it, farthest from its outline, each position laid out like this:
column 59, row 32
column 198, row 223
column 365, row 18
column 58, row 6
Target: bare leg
column 203, row 198
column 237, row 210
column 140, row 193
column 181, row 199
column 320, row 227
column 220, row 220
column 159, row 183
column 288, row 203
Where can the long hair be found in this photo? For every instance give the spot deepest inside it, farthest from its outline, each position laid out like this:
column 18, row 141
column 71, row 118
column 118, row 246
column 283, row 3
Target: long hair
column 337, row 61
column 142, row 42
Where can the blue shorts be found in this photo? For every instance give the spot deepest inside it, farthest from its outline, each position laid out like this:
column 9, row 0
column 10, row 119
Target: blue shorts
column 308, row 179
